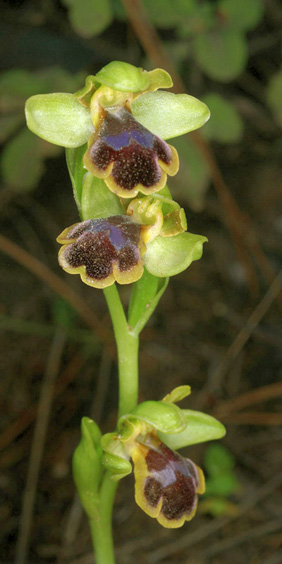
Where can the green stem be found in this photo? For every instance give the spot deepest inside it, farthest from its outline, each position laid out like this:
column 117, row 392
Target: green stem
column 101, row 529
column 127, row 347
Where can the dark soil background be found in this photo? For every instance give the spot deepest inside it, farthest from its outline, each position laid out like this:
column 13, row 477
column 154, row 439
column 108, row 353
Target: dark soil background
column 218, row 328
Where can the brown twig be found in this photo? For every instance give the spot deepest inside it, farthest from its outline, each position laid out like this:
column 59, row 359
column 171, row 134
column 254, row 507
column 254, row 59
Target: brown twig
column 238, row 224
column 244, row 335
column 252, row 418
column 59, row 287
column 28, row 416
column 249, row 398
column 37, row 447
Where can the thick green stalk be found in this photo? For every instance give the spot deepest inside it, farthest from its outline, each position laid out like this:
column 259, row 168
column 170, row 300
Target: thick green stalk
column 101, row 529
column 127, row 347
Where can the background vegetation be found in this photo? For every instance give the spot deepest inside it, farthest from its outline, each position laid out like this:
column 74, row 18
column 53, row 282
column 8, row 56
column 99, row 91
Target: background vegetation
column 218, row 326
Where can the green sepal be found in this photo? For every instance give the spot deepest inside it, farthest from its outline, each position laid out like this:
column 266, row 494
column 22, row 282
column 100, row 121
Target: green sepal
column 97, row 200
column 74, row 158
column 178, row 394
column 59, row 118
column 199, row 428
column 167, row 256
column 85, row 94
column 114, row 458
column 168, row 115
column 144, row 299
column 161, row 416
column 123, row 77
column 87, row 467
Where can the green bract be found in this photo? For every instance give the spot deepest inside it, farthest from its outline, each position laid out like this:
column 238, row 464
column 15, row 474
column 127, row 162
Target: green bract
column 169, row 115
column 97, row 200
column 169, row 256
column 87, row 468
column 124, row 77
column 59, row 118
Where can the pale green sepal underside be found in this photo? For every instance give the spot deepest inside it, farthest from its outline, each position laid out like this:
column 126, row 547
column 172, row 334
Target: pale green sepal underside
column 168, row 115
column 59, row 118
column 199, row 429
column 167, row 256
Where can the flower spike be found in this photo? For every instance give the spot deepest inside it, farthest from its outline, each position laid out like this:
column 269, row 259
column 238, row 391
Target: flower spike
column 128, row 156
column 103, row 250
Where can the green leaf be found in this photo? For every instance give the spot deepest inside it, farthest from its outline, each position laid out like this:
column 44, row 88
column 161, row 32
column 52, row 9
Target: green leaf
column 9, row 124
column 74, row 158
column 89, row 17
column 241, row 14
column 222, row 485
column 145, row 296
column 167, row 256
column 97, row 200
column 200, row 427
column 167, row 14
column 193, row 178
column 59, row 118
column 225, row 125
column 164, row 417
column 218, row 460
column 21, row 161
column 222, row 54
column 169, row 115
column 274, row 96
column 123, row 77
column 87, row 469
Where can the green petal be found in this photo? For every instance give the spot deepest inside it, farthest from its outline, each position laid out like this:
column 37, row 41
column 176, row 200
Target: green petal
column 124, row 77
column 178, row 394
column 59, row 118
column 165, row 417
column 200, row 428
column 167, row 256
column 169, row 115
column 97, row 200
column 114, row 457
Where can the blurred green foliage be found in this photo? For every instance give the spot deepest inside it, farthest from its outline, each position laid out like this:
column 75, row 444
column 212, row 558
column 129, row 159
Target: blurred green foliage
column 207, row 39
column 221, row 481
column 22, row 159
